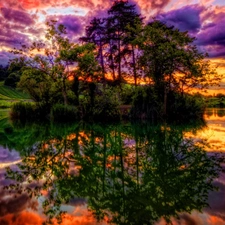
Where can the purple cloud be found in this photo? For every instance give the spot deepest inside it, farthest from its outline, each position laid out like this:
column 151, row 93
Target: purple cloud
column 17, row 16
column 72, row 23
column 11, row 38
column 213, row 33
column 212, row 36
column 185, row 19
column 15, row 26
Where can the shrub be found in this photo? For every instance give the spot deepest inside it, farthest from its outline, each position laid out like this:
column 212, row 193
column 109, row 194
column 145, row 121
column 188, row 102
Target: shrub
column 145, row 104
column 64, row 113
column 106, row 107
column 186, row 106
column 28, row 111
column 126, row 95
column 12, row 80
column 22, row 110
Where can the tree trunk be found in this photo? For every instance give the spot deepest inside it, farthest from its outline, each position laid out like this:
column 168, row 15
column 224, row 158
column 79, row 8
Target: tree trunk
column 134, row 67
column 64, row 92
column 119, row 61
column 165, row 101
column 112, row 62
column 102, row 64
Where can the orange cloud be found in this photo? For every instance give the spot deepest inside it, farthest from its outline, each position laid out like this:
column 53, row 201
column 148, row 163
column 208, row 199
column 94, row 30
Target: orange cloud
column 195, row 219
column 24, row 218
column 82, row 217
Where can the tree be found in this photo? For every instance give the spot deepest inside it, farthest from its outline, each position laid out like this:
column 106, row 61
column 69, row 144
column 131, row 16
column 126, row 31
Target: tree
column 3, row 72
column 172, row 61
column 122, row 15
column 113, row 38
column 46, row 75
column 95, row 33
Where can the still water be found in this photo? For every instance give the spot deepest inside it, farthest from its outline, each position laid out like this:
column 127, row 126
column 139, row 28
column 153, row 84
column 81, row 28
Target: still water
column 113, row 174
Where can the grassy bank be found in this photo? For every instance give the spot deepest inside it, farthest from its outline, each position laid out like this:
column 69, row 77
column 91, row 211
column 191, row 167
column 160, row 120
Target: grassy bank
column 9, row 95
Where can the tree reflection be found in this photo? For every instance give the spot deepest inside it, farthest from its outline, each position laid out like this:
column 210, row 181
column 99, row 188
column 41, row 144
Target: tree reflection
column 129, row 174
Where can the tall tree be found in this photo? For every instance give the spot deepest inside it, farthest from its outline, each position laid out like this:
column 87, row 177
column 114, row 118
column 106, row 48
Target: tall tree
column 113, row 36
column 95, row 33
column 172, row 61
column 122, row 15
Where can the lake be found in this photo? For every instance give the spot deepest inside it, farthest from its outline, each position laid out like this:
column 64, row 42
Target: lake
column 127, row 173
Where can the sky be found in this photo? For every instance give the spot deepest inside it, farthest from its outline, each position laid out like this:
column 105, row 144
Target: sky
column 23, row 21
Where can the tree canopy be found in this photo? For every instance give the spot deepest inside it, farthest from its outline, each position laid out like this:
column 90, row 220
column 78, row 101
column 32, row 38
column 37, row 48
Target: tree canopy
column 118, row 49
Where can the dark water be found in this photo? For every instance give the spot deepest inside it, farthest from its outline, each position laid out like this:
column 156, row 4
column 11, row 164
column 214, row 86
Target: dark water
column 117, row 174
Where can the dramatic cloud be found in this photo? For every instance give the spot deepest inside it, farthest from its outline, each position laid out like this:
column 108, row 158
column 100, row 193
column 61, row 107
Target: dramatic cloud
column 185, row 19
column 212, row 36
column 17, row 16
column 24, row 218
column 22, row 21
column 16, row 27
column 13, row 204
column 213, row 33
column 73, row 24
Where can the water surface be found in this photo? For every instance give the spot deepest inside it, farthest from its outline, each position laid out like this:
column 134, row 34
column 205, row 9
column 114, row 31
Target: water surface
column 117, row 174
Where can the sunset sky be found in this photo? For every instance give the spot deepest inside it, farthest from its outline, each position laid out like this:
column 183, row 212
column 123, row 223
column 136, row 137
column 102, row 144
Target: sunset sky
column 23, row 21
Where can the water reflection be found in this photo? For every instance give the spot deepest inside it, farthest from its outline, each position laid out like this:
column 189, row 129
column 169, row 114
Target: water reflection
column 126, row 174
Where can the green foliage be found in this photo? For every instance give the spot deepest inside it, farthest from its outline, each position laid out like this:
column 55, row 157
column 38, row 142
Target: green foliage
column 40, row 87
column 145, row 104
column 12, row 80
column 126, row 95
column 186, row 106
column 106, row 109
column 28, row 111
column 3, row 72
column 180, row 107
column 216, row 101
column 46, row 76
column 64, row 113
column 5, row 104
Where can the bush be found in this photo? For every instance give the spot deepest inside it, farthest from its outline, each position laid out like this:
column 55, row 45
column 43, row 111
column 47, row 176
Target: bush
column 105, row 108
column 12, row 80
column 145, row 104
column 28, row 111
column 126, row 95
column 186, row 106
column 179, row 107
column 64, row 113
column 22, row 110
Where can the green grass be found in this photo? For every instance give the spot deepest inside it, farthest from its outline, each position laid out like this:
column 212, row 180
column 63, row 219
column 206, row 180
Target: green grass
column 4, row 104
column 4, row 114
column 7, row 93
